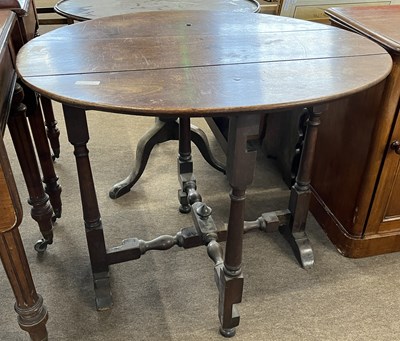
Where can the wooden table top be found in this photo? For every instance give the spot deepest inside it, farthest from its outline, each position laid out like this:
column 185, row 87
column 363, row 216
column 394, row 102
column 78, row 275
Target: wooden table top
column 199, row 63
column 93, row 9
column 379, row 23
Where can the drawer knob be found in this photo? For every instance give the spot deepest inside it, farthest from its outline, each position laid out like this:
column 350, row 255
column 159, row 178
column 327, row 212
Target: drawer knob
column 395, row 145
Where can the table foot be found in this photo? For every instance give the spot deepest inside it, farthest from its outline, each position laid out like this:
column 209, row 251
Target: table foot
column 102, row 290
column 228, row 332
column 301, row 247
column 230, row 294
column 280, row 221
column 33, row 319
column 121, row 188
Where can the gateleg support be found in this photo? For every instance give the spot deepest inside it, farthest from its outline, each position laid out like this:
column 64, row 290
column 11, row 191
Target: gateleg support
column 300, row 194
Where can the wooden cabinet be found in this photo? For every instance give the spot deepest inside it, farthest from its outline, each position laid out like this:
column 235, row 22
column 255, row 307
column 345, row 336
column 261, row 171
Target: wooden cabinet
column 314, row 10
column 357, row 168
column 26, row 15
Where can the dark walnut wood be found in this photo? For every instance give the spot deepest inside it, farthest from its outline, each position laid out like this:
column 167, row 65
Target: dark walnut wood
column 203, row 64
column 32, row 314
column 103, row 77
column 356, row 178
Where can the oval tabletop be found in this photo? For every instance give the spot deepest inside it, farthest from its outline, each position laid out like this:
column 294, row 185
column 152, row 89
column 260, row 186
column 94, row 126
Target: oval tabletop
column 93, row 9
column 199, row 63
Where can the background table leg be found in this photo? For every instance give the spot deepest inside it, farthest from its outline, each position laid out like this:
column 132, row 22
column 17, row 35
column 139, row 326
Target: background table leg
column 53, row 133
column 50, row 179
column 41, row 209
column 164, row 129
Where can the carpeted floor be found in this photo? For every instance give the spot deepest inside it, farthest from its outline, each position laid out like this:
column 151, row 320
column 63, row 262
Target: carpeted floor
column 171, row 295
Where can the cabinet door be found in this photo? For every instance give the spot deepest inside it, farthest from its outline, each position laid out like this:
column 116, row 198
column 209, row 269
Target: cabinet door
column 385, row 210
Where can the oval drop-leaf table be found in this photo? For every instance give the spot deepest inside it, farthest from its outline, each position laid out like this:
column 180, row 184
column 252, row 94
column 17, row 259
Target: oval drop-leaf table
column 200, row 64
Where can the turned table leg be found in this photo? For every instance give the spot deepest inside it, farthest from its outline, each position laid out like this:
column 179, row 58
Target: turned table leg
column 78, row 136
column 41, row 209
column 240, row 172
column 187, row 194
column 32, row 314
column 50, row 179
column 300, row 194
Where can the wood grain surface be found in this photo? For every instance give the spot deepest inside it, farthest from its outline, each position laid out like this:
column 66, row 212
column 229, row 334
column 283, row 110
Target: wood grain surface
column 199, row 63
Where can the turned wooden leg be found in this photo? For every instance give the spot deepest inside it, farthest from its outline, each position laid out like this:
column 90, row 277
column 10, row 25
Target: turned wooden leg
column 50, row 179
column 78, row 136
column 53, row 133
column 187, row 194
column 32, row 314
column 300, row 195
column 240, row 172
column 41, row 209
